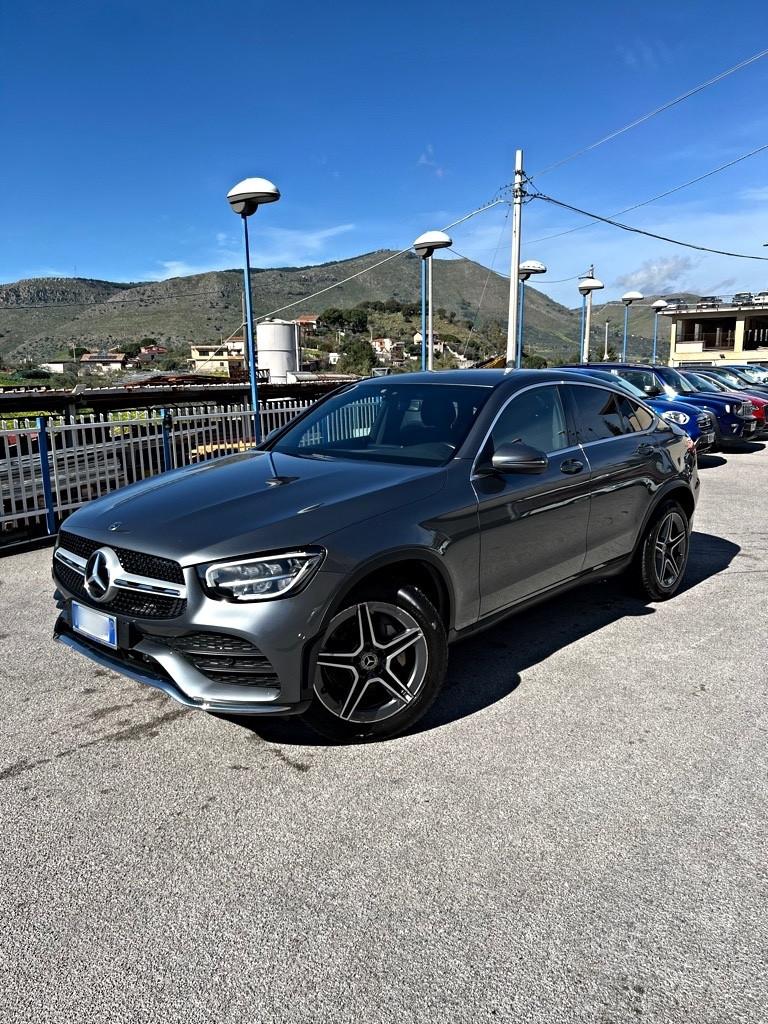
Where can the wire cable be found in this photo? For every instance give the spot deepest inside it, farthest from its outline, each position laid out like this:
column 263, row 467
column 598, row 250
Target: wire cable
column 661, row 195
column 649, row 234
column 653, row 113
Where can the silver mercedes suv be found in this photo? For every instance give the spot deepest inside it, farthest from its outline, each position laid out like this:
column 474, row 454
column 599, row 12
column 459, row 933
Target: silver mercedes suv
column 326, row 572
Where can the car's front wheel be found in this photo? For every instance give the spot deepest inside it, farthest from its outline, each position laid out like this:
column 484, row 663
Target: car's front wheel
column 663, row 553
column 380, row 666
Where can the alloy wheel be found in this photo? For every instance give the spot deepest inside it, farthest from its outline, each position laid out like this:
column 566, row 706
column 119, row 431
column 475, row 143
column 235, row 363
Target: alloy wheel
column 373, row 662
column 670, row 549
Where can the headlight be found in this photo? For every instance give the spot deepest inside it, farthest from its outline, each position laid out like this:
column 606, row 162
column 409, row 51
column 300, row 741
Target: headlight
column 676, row 417
column 261, row 578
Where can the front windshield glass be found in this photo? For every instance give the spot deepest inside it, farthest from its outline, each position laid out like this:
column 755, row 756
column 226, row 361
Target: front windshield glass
column 414, row 423
column 702, row 383
column 730, row 378
column 676, row 381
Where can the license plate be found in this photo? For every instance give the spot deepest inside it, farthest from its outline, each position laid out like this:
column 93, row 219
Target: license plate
column 95, row 625
column 710, row 437
column 750, row 427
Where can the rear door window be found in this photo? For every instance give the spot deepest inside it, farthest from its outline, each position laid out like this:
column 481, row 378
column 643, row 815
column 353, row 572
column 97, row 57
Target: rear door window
column 597, row 412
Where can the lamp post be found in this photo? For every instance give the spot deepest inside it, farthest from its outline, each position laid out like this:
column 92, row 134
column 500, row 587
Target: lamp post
column 657, row 307
column 424, row 246
column 527, row 269
column 627, row 298
column 245, row 199
column 587, row 285
column 605, row 350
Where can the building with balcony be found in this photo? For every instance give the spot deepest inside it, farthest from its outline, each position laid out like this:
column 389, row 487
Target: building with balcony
column 717, row 330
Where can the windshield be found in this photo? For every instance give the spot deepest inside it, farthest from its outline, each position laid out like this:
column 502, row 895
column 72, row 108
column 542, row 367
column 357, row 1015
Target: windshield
column 414, row 423
column 755, row 377
column 677, row 383
column 732, row 379
column 702, row 383
column 614, row 378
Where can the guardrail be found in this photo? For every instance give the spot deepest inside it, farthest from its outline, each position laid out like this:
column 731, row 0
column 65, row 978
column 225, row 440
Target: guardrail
column 50, row 467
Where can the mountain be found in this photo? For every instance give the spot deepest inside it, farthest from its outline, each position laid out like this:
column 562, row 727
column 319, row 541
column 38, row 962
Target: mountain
column 44, row 316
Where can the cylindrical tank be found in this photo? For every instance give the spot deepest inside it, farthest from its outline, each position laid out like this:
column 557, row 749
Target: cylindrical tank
column 277, row 345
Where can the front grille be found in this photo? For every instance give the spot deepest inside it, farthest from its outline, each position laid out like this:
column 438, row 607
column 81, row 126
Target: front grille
column 138, row 604
column 132, row 561
column 224, row 658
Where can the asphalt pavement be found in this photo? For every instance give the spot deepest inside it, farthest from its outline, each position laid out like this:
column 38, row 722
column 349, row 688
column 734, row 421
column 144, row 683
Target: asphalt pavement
column 577, row 833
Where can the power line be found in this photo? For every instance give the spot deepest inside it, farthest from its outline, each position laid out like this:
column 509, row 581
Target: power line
column 653, row 113
column 393, row 256
column 662, row 195
column 642, row 231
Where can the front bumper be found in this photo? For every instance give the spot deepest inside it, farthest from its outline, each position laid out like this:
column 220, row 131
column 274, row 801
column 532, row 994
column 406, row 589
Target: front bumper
column 283, row 634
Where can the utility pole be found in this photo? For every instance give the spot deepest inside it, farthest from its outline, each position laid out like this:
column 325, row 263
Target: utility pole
column 514, row 273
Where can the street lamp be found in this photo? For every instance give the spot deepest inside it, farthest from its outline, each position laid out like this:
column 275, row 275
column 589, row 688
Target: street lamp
column 527, row 269
column 627, row 298
column 587, row 285
column 424, row 247
column 245, row 199
column 658, row 305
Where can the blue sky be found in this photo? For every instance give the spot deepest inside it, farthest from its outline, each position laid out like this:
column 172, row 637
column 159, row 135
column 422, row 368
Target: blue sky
column 126, row 123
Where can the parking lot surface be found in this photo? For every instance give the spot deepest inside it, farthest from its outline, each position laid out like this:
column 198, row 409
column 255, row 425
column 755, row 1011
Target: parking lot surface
column 577, row 833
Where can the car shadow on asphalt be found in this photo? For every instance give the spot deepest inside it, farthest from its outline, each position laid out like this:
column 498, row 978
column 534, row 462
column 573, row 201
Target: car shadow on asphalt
column 486, row 668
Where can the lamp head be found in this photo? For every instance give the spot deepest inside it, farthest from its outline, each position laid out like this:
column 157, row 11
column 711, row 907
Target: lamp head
column 590, row 284
column 251, row 193
column 659, row 304
column 426, row 244
column 629, row 297
column 529, row 267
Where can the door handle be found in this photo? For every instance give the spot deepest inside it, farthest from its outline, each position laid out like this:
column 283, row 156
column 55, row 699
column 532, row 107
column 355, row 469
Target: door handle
column 645, row 449
column 571, row 466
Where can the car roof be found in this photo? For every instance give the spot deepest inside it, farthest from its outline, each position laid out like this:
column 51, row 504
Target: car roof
column 513, row 379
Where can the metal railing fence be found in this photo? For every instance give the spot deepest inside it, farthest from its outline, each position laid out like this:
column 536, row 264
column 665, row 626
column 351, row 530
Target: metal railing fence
column 50, row 467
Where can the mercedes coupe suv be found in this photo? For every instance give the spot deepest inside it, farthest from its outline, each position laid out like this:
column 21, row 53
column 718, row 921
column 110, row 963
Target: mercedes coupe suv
column 327, row 571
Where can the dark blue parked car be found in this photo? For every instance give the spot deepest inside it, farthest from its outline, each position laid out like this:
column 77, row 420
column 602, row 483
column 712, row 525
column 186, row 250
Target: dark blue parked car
column 697, row 423
column 735, row 420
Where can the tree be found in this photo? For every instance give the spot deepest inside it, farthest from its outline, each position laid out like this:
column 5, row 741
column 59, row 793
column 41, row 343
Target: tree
column 332, row 318
column 532, row 362
column 356, row 320
column 357, row 357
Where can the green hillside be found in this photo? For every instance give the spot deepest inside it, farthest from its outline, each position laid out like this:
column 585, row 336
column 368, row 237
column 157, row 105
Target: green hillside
column 42, row 317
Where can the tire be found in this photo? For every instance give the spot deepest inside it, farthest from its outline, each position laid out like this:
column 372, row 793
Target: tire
column 380, row 666
column 662, row 556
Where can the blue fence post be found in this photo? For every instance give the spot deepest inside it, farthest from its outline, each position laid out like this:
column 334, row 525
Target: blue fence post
column 167, row 426
column 45, row 473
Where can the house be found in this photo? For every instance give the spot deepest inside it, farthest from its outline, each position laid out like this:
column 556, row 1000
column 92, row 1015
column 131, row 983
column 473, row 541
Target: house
column 437, row 343
column 388, row 349
column 60, row 366
column 719, row 330
column 149, row 353
column 228, row 358
column 102, row 362
column 307, row 323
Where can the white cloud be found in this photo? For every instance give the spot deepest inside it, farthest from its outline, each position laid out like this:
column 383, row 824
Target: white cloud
column 427, row 159
column 655, row 276
column 270, row 247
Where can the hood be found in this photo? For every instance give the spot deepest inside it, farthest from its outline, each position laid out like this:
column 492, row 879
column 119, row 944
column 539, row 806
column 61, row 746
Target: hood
column 667, row 405
column 232, row 506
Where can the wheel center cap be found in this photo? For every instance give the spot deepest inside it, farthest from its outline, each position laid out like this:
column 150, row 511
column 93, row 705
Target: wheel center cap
column 369, row 661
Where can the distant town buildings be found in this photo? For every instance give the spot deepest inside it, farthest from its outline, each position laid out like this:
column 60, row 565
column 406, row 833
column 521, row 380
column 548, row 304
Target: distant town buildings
column 712, row 329
column 387, row 349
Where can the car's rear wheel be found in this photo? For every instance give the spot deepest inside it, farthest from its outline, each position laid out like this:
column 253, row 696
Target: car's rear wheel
column 380, row 666
column 663, row 554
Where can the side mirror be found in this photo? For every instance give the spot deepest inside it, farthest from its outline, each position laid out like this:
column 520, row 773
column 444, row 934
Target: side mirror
column 653, row 390
column 517, row 457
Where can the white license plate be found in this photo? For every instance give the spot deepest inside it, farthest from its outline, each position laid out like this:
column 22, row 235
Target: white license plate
column 710, row 437
column 750, row 427
column 95, row 625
